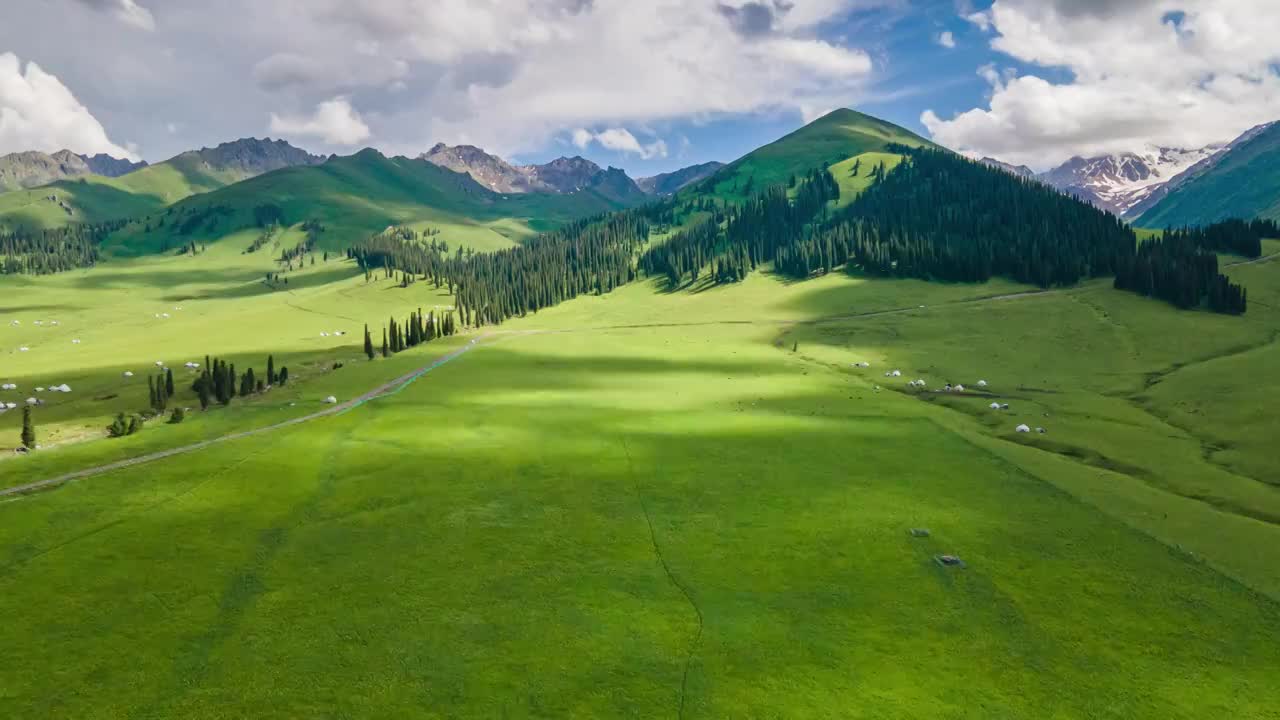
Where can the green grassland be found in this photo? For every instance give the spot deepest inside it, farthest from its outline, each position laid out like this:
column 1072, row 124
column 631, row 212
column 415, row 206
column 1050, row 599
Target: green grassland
column 648, row 504
column 852, row 185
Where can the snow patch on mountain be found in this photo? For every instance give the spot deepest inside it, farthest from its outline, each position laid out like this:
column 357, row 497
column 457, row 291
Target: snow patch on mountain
column 1118, row 182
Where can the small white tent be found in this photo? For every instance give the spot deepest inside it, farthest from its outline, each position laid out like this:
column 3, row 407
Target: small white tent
column 995, row 406
column 1023, row 429
column 331, row 400
column 982, row 383
column 128, row 374
column 897, row 373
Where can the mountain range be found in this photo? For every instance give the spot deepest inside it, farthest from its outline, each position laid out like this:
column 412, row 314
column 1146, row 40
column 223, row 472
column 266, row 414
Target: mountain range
column 32, row 168
column 1132, row 185
column 1241, row 181
column 562, row 175
column 1157, row 187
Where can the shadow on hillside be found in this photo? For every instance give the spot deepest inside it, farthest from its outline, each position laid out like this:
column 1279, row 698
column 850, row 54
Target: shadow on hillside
column 105, row 278
column 258, row 286
column 37, row 308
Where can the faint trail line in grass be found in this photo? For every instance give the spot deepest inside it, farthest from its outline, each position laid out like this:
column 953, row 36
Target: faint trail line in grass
column 384, row 389
column 662, row 560
column 317, row 312
column 1264, row 258
column 248, row 583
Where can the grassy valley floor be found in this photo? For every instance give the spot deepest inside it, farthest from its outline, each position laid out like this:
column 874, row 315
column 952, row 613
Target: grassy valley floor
column 654, row 504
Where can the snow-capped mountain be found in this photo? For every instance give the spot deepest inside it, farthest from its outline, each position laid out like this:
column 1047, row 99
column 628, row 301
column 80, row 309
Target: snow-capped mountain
column 1116, row 183
column 1197, row 170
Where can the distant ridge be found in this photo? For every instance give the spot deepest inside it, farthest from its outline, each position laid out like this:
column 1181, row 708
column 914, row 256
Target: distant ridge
column 1243, row 181
column 562, row 175
column 64, row 188
column 1019, row 170
column 672, row 182
column 107, row 166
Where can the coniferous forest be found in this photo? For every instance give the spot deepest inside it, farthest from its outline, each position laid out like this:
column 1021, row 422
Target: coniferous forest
column 1181, row 266
column 41, row 252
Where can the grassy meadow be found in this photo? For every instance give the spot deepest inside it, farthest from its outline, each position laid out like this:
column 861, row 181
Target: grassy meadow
column 651, row 503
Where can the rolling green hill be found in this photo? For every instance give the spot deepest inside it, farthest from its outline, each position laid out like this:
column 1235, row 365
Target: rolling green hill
column 94, row 198
column 1244, row 183
column 354, row 196
column 830, row 139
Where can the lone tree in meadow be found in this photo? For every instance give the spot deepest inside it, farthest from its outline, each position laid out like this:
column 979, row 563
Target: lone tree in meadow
column 118, row 427
column 28, row 429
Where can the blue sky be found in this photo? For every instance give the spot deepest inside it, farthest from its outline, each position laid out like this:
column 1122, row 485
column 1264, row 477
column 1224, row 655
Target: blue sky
column 912, row 73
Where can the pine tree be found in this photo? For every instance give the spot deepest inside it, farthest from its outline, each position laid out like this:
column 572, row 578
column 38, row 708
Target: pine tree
column 271, row 370
column 118, row 427
column 161, row 398
column 202, row 389
column 135, row 425
column 168, row 382
column 28, row 429
column 386, row 349
column 368, row 343
column 284, row 375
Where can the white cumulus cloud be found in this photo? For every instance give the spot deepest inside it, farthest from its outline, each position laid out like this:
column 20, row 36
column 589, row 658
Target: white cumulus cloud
column 334, row 122
column 946, row 39
column 1184, row 73
column 563, row 64
column 620, row 140
column 38, row 112
column 127, row 11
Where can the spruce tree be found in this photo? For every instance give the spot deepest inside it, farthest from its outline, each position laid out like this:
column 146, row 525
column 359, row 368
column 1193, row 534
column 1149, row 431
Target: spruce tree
column 118, row 427
column 284, row 375
column 368, row 343
column 28, row 429
column 168, row 382
column 271, row 370
column 386, row 349
column 202, row 390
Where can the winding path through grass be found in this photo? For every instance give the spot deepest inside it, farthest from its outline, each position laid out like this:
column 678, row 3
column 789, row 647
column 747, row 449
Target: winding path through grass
column 385, row 389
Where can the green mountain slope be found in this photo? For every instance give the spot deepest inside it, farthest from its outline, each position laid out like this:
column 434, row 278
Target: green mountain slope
column 1244, row 183
column 355, row 196
column 94, row 198
column 830, row 139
